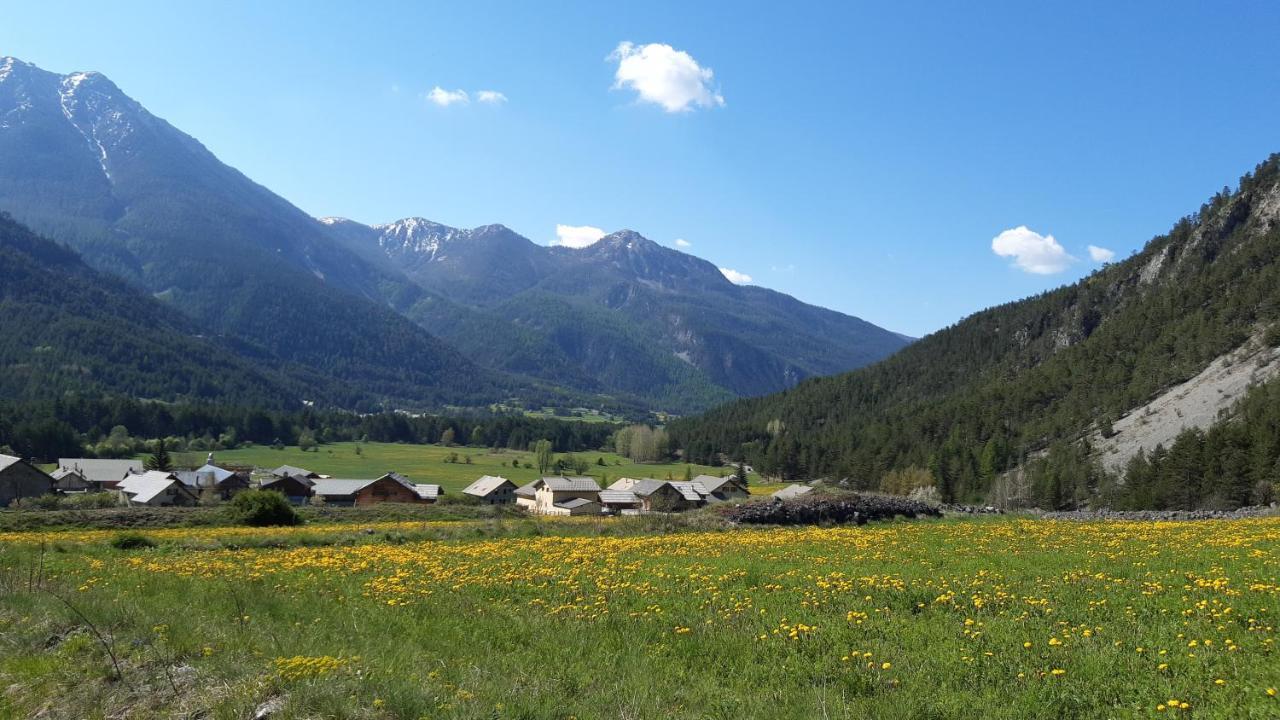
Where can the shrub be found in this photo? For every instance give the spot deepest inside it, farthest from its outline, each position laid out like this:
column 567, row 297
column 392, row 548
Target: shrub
column 132, row 541
column 262, row 508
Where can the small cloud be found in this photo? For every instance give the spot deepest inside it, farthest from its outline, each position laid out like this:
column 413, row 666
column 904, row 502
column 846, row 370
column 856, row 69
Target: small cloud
column 735, row 277
column 577, row 236
column 681, row 242
column 662, row 75
column 493, row 97
column 395, row 88
column 1032, row 252
column 445, row 98
column 1101, row 254
column 788, row 268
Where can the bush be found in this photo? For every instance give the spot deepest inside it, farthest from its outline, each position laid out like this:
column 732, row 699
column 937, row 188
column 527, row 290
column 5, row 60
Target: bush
column 262, row 508
column 90, row 501
column 132, row 541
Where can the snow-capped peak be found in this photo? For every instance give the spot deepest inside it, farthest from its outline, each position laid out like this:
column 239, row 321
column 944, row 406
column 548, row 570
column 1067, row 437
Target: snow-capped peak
column 417, row 236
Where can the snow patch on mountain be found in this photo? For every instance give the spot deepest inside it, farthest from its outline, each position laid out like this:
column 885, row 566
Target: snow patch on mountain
column 419, row 237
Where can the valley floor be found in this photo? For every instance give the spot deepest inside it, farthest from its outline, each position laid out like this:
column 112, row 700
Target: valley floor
column 993, row 617
column 427, row 463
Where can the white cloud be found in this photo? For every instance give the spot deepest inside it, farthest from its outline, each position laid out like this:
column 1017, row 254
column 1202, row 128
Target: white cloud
column 1101, row 254
column 1031, row 251
column 735, row 277
column 445, row 98
column 681, row 242
column 577, row 236
column 662, row 75
column 491, row 96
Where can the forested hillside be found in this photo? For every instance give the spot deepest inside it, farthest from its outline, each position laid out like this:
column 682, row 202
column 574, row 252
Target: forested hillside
column 65, row 328
column 623, row 316
column 84, row 164
column 999, row 388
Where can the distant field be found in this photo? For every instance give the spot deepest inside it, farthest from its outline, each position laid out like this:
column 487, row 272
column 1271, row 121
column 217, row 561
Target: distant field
column 990, row 618
column 425, row 463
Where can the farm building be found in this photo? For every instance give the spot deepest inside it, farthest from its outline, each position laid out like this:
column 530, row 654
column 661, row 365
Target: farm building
column 298, row 490
column 155, row 488
column 493, row 490
column 576, row 506
column 552, row 493
column 291, row 471
column 388, row 488
column 21, row 479
column 527, row 496
column 720, row 489
column 661, row 495
column 102, row 474
column 793, row 491
column 211, row 478
column 70, row 481
column 618, row 502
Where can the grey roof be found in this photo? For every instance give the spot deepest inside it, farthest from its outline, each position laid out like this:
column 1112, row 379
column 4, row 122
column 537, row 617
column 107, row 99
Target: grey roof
column 95, row 470
column 200, row 477
column 793, row 491
column 291, row 470
column 692, row 491
column 486, row 485
column 575, row 503
column 571, row 484
column 428, row 492
column 7, row 460
column 645, row 487
column 618, row 497
column 143, row 488
column 713, row 483
column 63, row 472
column 528, row 489
column 339, row 486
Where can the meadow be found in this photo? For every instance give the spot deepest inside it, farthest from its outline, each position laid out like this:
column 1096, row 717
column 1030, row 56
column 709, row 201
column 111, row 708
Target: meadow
column 427, row 463
column 958, row 618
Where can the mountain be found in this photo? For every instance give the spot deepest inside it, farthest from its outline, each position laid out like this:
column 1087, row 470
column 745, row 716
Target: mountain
column 412, row 314
column 1011, row 404
column 623, row 315
column 65, row 328
column 83, row 163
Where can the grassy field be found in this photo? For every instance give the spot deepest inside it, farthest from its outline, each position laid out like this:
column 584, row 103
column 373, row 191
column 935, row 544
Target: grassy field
column 426, row 463
column 992, row 618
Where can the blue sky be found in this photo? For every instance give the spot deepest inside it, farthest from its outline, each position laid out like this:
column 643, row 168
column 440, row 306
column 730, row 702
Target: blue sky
column 862, row 157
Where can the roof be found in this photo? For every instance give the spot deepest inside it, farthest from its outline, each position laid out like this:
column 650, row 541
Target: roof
column 692, row 491
column 643, row 488
column 571, row 484
column 528, row 489
column 623, row 484
column 7, row 460
column 95, row 470
column 428, row 492
column 618, row 497
column 199, row 477
column 291, row 470
column 64, row 472
column 143, row 488
column 793, row 491
column 339, row 486
column 713, row 483
column 303, row 481
column 486, row 485
column 575, row 503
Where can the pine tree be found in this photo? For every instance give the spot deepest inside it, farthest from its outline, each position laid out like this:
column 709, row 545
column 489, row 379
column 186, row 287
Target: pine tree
column 159, row 460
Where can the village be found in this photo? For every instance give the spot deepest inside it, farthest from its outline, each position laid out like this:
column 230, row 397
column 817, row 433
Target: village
column 133, row 485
